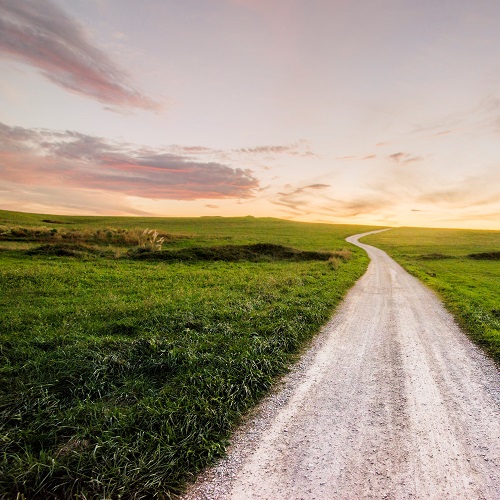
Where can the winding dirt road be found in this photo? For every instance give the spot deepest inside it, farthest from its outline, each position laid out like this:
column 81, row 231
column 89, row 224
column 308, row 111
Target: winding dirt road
column 391, row 401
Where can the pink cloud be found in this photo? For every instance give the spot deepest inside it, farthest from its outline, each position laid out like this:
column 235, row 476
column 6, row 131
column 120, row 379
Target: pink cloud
column 71, row 159
column 43, row 36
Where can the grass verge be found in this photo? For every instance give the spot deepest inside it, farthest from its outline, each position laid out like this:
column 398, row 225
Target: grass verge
column 462, row 266
column 122, row 377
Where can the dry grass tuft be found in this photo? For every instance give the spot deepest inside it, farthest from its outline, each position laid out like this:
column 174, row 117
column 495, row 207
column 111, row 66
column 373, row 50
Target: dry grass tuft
column 338, row 257
column 149, row 239
column 345, row 254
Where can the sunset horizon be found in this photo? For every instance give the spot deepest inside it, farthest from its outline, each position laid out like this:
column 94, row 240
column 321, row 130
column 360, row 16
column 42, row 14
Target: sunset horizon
column 249, row 249
column 385, row 114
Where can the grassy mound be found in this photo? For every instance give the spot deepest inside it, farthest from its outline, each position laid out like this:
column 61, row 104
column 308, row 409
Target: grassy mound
column 434, row 256
column 258, row 252
column 485, row 256
column 64, row 250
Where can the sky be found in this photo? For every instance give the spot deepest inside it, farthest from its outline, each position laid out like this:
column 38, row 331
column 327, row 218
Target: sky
column 383, row 112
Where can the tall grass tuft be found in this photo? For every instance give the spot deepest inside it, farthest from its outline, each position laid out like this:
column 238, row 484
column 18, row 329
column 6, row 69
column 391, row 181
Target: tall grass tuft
column 149, row 239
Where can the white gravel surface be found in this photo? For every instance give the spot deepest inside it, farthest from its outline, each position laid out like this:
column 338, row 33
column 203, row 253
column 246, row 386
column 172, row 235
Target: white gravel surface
column 391, row 401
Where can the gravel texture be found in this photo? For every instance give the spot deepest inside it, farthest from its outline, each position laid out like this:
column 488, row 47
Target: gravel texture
column 390, row 401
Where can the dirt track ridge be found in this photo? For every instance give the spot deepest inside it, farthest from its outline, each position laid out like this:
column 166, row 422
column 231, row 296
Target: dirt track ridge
column 391, row 401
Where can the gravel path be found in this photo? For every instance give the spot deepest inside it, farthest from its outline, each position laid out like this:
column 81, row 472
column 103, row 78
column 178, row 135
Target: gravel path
column 391, row 401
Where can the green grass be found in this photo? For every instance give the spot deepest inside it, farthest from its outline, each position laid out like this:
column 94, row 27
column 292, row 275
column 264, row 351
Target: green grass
column 462, row 266
column 124, row 377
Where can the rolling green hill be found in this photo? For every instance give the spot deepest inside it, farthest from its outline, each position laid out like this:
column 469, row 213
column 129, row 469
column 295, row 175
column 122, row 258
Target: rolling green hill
column 124, row 366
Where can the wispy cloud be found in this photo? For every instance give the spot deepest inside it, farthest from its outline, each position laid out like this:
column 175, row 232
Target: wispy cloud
column 195, row 150
column 54, row 200
column 51, row 158
column 347, row 158
column 390, row 194
column 44, row 36
column 404, row 158
column 317, row 199
column 304, row 189
column 479, row 116
column 442, row 132
column 471, row 191
column 300, row 148
column 370, row 156
column 253, row 155
column 399, row 157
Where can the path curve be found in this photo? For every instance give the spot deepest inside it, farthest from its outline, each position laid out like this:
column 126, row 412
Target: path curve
column 391, row 401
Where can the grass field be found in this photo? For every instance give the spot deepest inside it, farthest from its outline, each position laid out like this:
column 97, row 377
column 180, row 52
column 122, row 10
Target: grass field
column 124, row 367
column 462, row 266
